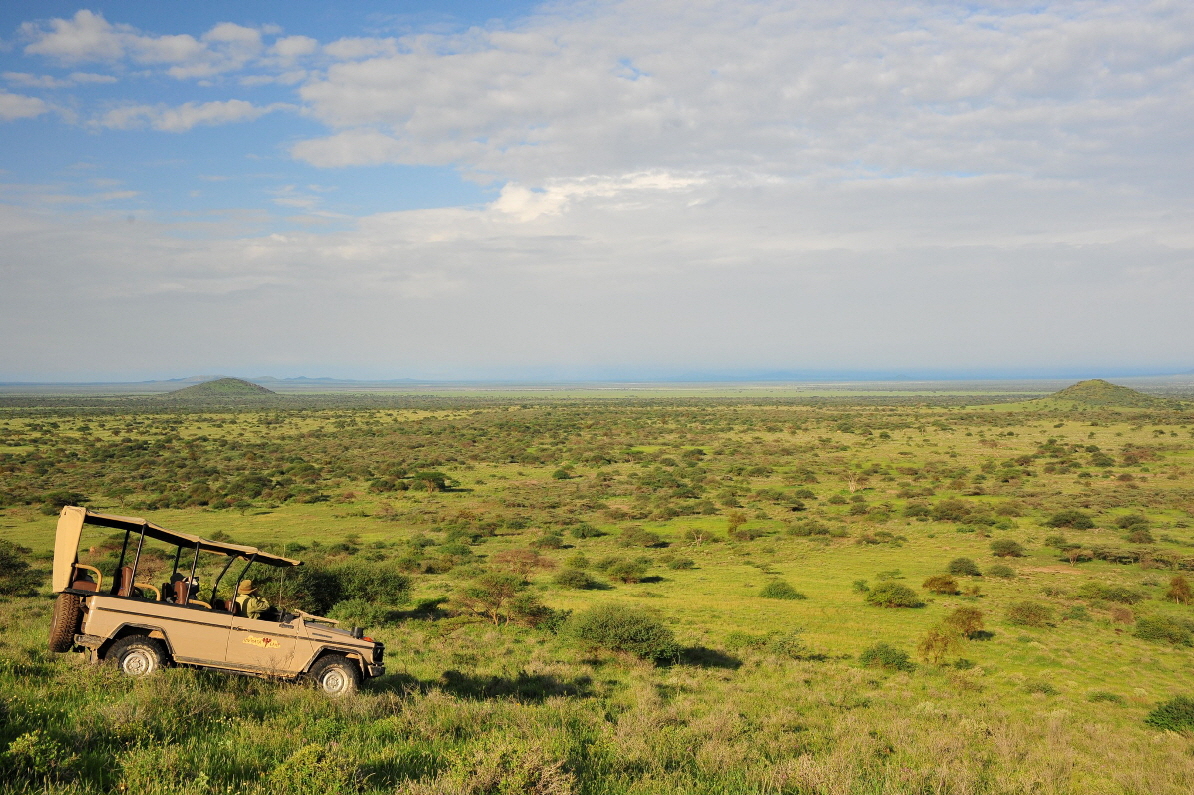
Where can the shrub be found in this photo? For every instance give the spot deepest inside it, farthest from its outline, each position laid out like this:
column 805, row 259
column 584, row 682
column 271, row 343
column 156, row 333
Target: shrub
column 1179, row 591
column 1071, row 518
column 937, row 643
column 1006, row 548
column 781, row 644
column 1029, row 614
column 941, row 583
column 1175, row 715
column 1040, row 686
column 17, row 578
column 627, row 571
column 638, row 537
column 951, row 510
column 574, row 578
column 1140, row 535
column 1001, row 571
column 548, row 542
column 679, row 564
column 621, row 628
column 893, row 594
column 1165, row 629
column 362, row 613
column 966, row 621
column 1109, row 593
column 1132, row 520
column 584, row 530
column 882, row 655
column 780, row 589
column 964, row 567
column 808, row 527
column 1102, row 696
column 860, row 586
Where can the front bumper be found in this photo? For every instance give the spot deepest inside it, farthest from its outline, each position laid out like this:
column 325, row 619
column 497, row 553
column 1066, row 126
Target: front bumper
column 374, row 670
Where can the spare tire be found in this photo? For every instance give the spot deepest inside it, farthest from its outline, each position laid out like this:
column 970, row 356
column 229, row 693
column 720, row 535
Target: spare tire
column 68, row 617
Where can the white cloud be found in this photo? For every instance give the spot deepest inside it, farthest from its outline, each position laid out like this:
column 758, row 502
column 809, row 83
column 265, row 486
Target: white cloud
column 183, row 117
column 19, row 106
column 47, row 81
column 89, row 77
column 844, row 89
column 350, row 49
column 88, row 37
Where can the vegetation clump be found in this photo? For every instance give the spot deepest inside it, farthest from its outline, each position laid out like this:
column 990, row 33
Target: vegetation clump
column 1006, row 548
column 1166, row 629
column 1074, row 519
column 780, row 589
column 964, row 567
column 941, row 584
column 619, row 628
column 893, row 594
column 1179, row 590
column 1027, row 613
column 887, row 657
column 1175, row 715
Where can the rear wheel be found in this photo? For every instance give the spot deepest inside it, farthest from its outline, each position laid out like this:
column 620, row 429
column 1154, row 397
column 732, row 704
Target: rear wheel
column 68, row 616
column 335, row 676
column 137, row 656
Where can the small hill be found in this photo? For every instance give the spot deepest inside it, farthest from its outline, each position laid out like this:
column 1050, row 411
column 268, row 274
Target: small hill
column 1097, row 392
column 222, row 388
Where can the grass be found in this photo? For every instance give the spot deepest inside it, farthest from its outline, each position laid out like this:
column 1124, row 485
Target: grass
column 469, row 707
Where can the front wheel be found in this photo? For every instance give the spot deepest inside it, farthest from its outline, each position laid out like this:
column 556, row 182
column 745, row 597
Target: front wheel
column 137, row 656
column 335, row 676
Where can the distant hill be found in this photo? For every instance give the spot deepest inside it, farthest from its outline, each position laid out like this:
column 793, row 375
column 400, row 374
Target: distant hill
column 1097, row 392
column 222, row 388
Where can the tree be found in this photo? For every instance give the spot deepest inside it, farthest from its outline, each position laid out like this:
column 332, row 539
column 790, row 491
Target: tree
column 966, row 621
column 1179, row 591
column 490, row 595
column 17, row 578
column 938, row 642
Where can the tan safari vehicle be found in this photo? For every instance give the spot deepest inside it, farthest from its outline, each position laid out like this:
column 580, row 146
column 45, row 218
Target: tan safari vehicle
column 141, row 626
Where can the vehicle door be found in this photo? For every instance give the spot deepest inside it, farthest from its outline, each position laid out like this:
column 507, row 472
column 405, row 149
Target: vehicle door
column 196, row 634
column 267, row 646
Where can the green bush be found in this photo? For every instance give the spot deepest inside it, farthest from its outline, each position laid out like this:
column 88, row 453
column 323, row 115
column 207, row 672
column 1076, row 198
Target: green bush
column 1029, row 614
column 621, row 628
column 1132, row 520
column 780, row 589
column 893, row 594
column 966, row 621
column 1001, row 571
column 574, row 578
column 883, row 655
column 941, row 584
column 638, row 537
column 17, row 577
column 1175, row 715
column 964, row 567
column 680, row 564
column 584, row 530
column 624, row 570
column 1165, row 629
column 362, row 613
column 1109, row 593
column 548, row 541
column 808, row 527
column 1103, row 697
column 1006, row 548
column 1071, row 518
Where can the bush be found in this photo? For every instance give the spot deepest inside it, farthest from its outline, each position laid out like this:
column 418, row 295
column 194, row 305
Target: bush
column 893, row 594
column 362, row 613
column 781, row 644
column 627, row 571
column 1001, row 571
column 17, row 578
column 1165, row 629
column 1175, row 715
column 621, row 628
column 1179, row 591
column 1140, row 535
column 937, row 643
column 860, row 586
column 1006, row 548
column 1109, row 593
column 1071, row 518
column 941, row 583
column 780, row 589
column 574, row 578
column 1102, row 696
column 548, row 542
column 808, row 527
column 882, row 655
column 1029, row 614
column 584, row 530
column 680, row 564
column 964, row 567
column 1132, row 520
column 966, row 621
column 638, row 537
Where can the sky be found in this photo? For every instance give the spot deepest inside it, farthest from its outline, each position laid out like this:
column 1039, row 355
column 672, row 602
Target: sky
column 595, row 190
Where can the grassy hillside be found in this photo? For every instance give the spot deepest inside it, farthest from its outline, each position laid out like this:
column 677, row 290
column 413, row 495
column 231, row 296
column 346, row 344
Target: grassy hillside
column 766, row 695
column 1097, row 392
column 220, row 388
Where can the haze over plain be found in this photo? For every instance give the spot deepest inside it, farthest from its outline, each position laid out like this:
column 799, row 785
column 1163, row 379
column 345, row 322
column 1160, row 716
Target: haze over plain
column 594, row 189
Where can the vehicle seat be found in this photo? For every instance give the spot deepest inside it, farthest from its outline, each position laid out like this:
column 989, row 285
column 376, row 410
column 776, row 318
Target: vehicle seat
column 181, row 592
column 81, row 581
column 125, row 580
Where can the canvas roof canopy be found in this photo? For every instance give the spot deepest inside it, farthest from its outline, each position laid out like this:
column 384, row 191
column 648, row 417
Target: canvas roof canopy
column 70, row 527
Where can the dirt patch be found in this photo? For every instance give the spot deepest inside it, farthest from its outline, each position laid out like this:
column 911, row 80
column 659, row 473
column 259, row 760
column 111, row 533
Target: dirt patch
column 1058, row 569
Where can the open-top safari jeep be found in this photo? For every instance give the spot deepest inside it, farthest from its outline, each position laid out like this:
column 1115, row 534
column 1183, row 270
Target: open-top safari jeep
column 141, row 626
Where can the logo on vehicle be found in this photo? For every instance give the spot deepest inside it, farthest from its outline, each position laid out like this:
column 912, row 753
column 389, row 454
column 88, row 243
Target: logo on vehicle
column 263, row 642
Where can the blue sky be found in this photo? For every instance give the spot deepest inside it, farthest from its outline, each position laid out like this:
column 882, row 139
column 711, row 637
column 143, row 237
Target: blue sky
column 594, row 189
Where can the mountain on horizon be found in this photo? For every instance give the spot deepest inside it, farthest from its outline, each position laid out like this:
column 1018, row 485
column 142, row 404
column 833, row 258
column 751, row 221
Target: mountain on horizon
column 221, row 387
column 1097, row 392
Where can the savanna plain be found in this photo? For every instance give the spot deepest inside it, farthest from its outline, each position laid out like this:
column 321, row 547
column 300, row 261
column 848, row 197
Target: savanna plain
column 632, row 595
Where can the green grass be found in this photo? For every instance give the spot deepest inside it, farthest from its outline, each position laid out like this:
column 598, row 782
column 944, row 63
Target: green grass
column 469, row 707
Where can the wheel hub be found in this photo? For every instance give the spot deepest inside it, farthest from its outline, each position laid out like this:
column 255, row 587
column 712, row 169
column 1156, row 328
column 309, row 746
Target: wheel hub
column 137, row 663
column 334, row 681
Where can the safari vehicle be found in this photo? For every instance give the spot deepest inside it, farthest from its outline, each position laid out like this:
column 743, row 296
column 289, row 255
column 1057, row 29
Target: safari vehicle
column 141, row 627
